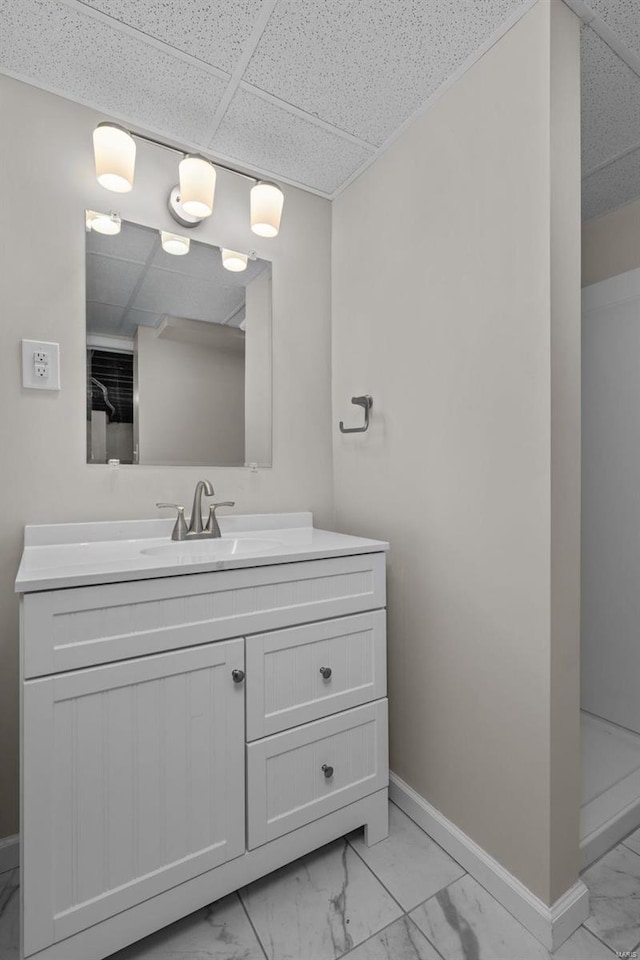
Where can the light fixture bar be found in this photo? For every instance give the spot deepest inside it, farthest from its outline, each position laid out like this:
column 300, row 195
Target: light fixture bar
column 186, row 153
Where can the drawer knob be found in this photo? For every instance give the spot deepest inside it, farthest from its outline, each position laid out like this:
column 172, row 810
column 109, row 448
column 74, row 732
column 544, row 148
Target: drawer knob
column 238, row 676
column 326, row 673
column 327, row 770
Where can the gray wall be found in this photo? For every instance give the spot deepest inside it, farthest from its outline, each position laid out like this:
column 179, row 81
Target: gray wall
column 44, row 476
column 472, row 465
column 611, row 244
column 258, row 370
column 191, row 401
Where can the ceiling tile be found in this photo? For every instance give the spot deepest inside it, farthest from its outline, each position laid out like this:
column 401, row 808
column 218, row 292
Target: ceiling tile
column 164, row 292
column 365, row 67
column 138, row 318
column 261, row 134
column 623, row 18
column 110, row 280
column 204, row 262
column 614, row 185
column 213, row 32
column 103, row 317
column 57, row 47
column 610, row 103
column 134, row 243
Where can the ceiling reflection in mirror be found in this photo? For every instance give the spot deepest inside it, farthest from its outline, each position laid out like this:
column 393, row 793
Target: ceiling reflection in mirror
column 178, row 351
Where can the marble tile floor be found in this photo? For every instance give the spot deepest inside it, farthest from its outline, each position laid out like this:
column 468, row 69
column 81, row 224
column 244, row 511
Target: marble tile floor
column 404, row 899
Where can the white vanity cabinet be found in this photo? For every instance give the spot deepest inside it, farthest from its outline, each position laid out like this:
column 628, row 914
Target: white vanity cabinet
column 144, row 703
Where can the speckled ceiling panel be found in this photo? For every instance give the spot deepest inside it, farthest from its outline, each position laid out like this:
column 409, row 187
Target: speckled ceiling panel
column 213, row 32
column 55, row 46
column 262, row 134
column 366, row 66
column 610, row 103
column 623, row 18
column 612, row 186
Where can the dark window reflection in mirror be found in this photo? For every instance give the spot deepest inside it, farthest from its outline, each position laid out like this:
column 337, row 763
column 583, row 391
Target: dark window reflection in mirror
column 178, row 353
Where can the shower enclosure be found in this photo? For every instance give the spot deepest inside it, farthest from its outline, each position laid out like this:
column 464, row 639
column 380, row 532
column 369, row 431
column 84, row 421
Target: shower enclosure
column 610, row 633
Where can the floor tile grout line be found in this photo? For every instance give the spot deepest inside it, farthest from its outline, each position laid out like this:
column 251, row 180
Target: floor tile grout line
column 598, row 938
column 438, row 845
column 374, row 874
column 377, row 933
column 426, row 900
column 345, row 956
column 428, row 939
column 450, row 884
column 252, row 925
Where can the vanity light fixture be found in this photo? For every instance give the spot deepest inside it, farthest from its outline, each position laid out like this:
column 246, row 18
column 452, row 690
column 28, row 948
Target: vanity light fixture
column 266, row 208
column 115, row 154
column 106, row 223
column 174, row 244
column 234, row 261
column 192, row 200
column 197, row 186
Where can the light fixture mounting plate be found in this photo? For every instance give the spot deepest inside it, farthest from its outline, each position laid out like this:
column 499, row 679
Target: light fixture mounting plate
column 178, row 213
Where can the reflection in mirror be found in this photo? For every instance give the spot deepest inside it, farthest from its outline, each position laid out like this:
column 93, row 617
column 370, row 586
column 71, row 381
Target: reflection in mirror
column 178, row 353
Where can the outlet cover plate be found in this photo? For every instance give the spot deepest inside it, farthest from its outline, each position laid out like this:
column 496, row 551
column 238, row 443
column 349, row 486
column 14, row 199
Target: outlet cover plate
column 40, row 365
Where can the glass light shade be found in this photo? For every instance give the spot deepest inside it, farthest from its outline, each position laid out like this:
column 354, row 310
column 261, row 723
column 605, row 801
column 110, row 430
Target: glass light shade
column 267, row 200
column 232, row 260
column 106, row 223
column 173, row 244
column 115, row 156
column 197, row 186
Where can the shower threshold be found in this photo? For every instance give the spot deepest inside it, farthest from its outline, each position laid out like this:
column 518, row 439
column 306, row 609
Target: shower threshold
column 610, row 786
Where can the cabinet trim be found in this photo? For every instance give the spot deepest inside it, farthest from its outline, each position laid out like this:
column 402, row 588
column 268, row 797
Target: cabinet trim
column 86, row 626
column 145, row 918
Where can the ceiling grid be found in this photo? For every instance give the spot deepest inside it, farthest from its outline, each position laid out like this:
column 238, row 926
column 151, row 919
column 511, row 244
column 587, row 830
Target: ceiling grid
column 309, row 92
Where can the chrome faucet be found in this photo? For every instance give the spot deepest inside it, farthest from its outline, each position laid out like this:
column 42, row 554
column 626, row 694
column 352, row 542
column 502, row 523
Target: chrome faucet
column 196, row 530
column 195, row 527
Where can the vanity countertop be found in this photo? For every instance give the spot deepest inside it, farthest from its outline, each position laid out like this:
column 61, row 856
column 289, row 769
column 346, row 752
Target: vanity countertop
column 63, row 555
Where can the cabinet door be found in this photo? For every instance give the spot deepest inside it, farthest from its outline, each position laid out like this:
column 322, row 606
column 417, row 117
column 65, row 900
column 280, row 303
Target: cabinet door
column 133, row 782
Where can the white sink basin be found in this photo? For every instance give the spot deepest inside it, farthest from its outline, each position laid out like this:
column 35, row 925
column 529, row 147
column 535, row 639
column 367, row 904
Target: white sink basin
column 198, row 551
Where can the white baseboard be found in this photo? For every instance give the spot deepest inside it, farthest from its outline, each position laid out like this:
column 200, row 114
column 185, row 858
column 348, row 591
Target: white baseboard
column 550, row 925
column 9, row 853
column 606, row 835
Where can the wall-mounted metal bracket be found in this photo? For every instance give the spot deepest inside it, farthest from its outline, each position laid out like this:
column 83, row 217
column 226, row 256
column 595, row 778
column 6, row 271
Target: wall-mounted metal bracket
column 367, row 403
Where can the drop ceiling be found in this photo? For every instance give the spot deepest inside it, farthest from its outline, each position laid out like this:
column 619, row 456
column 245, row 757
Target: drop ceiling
column 132, row 282
column 310, row 91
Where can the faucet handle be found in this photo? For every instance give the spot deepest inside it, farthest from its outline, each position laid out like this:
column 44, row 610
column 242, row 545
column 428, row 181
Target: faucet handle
column 180, row 529
column 212, row 527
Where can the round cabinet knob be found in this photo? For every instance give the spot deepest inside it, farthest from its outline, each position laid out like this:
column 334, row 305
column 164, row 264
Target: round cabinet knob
column 238, row 676
column 326, row 673
column 327, row 770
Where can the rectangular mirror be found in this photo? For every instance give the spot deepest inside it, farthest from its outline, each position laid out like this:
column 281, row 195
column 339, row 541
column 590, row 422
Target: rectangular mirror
column 178, row 353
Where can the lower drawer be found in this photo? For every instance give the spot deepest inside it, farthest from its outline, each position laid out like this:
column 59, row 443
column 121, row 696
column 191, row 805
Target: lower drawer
column 303, row 774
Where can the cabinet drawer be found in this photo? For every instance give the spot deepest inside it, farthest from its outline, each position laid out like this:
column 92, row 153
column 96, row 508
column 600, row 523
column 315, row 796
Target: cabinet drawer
column 287, row 786
column 84, row 626
column 285, row 685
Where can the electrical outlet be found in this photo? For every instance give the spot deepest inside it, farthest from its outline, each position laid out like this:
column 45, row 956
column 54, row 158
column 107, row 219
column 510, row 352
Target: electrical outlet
column 40, row 365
